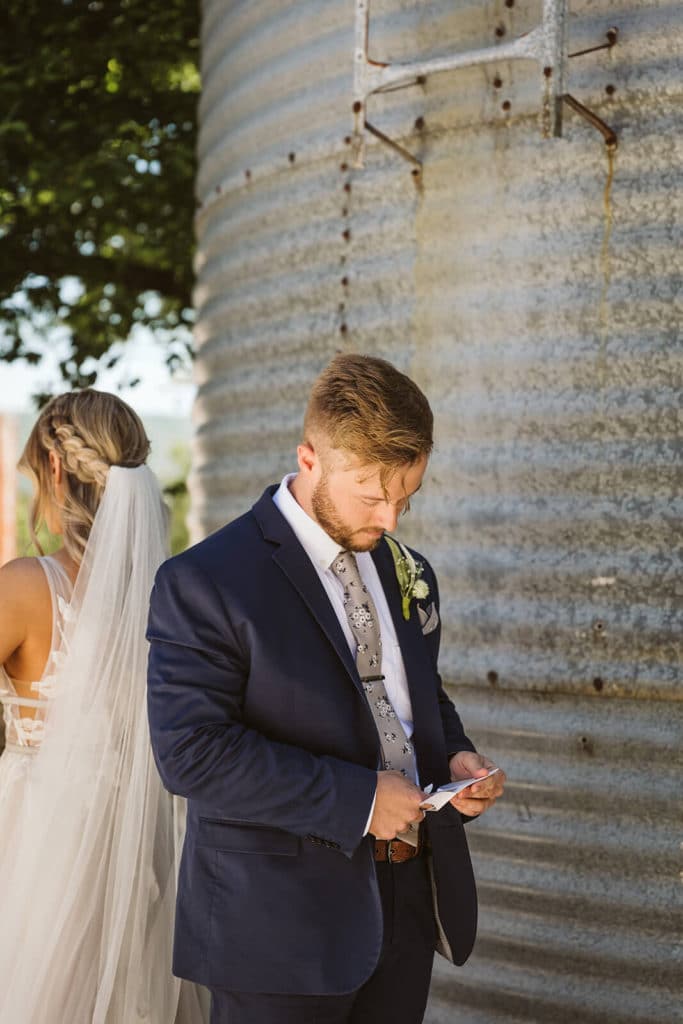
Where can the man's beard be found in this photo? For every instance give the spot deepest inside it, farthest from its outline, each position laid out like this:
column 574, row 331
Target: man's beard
column 328, row 517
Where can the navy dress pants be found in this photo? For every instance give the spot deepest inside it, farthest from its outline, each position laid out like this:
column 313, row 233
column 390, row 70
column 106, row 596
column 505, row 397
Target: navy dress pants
column 396, row 993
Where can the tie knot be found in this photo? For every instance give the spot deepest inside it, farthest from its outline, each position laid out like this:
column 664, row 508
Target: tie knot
column 344, row 565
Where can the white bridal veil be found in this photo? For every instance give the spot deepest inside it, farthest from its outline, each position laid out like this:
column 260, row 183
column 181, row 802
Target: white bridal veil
column 88, row 895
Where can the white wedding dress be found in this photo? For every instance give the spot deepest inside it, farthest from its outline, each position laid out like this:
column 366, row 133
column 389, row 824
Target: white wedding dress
column 89, row 839
column 24, row 718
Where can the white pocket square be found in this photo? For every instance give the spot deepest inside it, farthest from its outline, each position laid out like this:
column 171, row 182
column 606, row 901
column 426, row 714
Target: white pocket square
column 429, row 618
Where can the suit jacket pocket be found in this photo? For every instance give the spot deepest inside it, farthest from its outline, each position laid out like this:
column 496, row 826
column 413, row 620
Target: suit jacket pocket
column 429, row 618
column 242, row 837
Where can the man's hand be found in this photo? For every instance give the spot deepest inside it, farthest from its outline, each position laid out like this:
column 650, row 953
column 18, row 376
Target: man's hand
column 397, row 805
column 481, row 795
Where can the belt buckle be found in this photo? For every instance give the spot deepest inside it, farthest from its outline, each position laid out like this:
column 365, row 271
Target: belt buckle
column 389, row 850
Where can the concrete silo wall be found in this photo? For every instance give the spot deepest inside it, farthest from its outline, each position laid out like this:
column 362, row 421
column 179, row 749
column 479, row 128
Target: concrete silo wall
column 539, row 306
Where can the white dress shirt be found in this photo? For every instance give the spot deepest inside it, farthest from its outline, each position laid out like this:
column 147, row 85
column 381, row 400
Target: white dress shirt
column 322, row 551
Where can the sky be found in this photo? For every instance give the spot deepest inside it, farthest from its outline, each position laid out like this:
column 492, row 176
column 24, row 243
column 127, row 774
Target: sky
column 157, row 394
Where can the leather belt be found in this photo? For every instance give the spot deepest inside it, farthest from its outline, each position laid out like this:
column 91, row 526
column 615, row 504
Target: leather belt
column 395, row 851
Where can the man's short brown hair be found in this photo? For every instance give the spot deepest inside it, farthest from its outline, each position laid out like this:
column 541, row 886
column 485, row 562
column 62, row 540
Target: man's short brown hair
column 368, row 408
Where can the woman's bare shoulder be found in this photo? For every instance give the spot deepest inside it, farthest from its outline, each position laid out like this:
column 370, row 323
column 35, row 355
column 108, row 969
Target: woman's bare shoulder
column 18, row 569
column 22, row 583
column 24, row 598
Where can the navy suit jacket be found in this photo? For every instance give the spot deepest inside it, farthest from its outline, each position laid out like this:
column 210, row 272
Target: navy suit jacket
column 258, row 717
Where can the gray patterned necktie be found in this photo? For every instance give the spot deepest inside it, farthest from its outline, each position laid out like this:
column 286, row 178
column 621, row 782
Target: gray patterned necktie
column 397, row 750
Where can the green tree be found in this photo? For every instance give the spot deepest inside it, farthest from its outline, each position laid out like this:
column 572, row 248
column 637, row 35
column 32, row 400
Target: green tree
column 97, row 162
column 178, row 499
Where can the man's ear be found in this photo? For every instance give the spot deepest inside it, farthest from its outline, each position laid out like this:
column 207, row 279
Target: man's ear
column 55, row 467
column 307, row 458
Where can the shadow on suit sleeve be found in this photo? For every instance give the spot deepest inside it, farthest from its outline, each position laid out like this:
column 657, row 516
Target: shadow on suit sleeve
column 198, row 671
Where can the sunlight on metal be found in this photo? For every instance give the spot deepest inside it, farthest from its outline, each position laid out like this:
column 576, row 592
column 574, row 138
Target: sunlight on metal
column 545, row 44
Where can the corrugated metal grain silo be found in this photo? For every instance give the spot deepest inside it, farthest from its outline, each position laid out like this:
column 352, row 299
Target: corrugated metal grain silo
column 533, row 288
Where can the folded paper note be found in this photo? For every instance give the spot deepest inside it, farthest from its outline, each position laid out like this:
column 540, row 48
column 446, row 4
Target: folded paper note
column 444, row 794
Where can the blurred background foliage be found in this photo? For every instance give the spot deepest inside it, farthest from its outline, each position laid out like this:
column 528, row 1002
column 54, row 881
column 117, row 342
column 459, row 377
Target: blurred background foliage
column 97, row 164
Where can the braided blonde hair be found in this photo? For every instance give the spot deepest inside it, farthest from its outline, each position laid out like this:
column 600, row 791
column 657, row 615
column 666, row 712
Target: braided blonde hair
column 90, row 431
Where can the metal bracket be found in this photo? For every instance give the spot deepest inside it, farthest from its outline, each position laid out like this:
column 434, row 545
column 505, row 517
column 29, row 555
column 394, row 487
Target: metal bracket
column 608, row 134
column 546, row 44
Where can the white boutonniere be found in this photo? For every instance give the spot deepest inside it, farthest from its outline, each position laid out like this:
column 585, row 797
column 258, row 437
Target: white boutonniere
column 408, row 573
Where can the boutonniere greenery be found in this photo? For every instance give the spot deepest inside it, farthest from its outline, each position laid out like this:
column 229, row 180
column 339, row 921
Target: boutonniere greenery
column 408, row 573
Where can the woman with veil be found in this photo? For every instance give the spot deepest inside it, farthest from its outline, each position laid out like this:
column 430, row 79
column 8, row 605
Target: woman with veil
column 88, row 836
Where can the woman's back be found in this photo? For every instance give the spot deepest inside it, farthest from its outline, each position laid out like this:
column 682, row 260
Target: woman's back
column 25, row 679
column 88, row 857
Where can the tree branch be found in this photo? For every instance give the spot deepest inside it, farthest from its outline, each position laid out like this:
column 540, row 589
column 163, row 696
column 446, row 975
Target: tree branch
column 136, row 277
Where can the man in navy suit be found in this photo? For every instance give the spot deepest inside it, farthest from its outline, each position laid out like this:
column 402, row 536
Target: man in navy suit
column 313, row 885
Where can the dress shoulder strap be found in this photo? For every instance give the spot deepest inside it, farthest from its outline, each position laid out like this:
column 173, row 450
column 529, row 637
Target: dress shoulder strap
column 61, row 592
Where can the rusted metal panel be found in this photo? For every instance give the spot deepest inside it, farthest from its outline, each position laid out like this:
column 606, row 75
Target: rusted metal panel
column 534, row 289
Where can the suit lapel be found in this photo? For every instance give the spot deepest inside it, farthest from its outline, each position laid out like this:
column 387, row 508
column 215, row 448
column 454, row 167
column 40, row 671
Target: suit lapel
column 291, row 558
column 428, row 735
column 297, row 567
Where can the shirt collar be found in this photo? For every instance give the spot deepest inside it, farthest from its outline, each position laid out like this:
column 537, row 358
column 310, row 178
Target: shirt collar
column 317, row 544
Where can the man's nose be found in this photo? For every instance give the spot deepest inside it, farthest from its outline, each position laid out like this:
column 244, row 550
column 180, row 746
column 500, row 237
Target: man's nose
column 387, row 517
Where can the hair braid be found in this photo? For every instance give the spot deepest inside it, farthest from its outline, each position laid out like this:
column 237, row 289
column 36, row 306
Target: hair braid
column 89, row 431
column 79, row 460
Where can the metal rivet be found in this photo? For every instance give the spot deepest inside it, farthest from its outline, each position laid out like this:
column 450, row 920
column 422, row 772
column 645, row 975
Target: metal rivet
column 610, row 89
column 506, row 105
column 419, row 124
column 343, row 329
column 357, row 107
column 347, row 186
column 492, row 677
column 500, row 31
column 598, row 683
column 292, row 157
column 548, row 72
column 343, row 167
column 346, row 235
column 345, row 282
column 497, row 82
